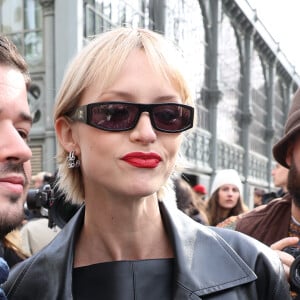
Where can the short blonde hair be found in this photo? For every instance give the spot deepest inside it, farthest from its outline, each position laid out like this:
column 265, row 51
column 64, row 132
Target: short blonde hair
column 103, row 58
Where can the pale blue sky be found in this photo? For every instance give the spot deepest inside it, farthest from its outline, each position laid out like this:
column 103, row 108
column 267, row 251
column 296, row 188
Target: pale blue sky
column 282, row 19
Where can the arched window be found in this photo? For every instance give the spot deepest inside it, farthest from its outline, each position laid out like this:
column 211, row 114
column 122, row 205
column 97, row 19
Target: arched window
column 101, row 15
column 184, row 25
column 280, row 110
column 229, row 78
column 259, row 107
column 22, row 22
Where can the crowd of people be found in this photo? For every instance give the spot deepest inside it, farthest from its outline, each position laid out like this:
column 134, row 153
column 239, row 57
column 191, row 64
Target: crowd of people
column 121, row 114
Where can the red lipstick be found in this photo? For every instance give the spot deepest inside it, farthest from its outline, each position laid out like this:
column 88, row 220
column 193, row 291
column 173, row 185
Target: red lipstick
column 142, row 159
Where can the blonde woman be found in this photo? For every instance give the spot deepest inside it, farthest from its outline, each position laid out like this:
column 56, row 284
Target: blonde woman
column 120, row 117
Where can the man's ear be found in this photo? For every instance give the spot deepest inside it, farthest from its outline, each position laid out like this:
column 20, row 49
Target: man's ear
column 65, row 134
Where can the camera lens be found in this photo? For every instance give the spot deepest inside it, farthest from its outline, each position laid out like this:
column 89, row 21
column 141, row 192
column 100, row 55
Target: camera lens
column 295, row 275
column 32, row 199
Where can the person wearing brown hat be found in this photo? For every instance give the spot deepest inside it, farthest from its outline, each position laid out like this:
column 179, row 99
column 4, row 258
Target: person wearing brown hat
column 277, row 224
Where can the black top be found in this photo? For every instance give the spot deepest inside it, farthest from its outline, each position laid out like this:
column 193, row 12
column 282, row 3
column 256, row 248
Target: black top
column 124, row 280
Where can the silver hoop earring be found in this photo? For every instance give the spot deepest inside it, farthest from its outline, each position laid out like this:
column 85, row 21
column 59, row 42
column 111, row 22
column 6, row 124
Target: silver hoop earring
column 72, row 160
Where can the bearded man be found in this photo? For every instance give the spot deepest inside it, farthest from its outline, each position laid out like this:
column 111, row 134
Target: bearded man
column 15, row 154
column 277, row 224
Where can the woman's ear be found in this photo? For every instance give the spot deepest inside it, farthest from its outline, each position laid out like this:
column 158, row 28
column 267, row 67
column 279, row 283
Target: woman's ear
column 65, row 134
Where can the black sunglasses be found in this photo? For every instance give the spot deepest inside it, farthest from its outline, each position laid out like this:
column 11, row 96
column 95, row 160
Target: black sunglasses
column 122, row 116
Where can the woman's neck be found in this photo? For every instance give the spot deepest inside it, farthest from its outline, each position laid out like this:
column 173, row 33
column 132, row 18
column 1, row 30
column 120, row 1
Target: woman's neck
column 225, row 212
column 123, row 234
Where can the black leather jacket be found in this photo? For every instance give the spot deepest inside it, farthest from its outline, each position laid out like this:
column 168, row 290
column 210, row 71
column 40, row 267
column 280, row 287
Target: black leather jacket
column 206, row 266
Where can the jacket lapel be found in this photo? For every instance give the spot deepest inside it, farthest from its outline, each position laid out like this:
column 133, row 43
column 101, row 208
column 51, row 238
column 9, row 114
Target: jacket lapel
column 205, row 263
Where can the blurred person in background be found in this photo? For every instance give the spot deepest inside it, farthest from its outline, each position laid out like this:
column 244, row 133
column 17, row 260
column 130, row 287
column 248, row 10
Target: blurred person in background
column 36, row 234
column 33, row 205
column 226, row 197
column 280, row 180
column 186, row 200
column 258, row 196
column 40, row 179
column 200, row 191
column 37, row 230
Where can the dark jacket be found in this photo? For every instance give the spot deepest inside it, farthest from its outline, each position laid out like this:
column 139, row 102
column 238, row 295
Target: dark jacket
column 267, row 197
column 206, row 266
column 267, row 223
column 9, row 255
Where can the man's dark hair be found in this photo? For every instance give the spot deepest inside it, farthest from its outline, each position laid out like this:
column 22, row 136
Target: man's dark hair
column 10, row 56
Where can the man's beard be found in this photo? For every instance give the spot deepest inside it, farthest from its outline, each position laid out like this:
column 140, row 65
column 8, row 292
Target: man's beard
column 8, row 224
column 293, row 184
column 12, row 217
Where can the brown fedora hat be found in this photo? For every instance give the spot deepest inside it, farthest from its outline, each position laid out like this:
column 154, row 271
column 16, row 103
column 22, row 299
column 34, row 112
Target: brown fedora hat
column 292, row 126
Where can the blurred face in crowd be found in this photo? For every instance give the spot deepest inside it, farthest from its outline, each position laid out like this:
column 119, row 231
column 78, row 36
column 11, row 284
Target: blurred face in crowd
column 257, row 200
column 15, row 154
column 280, row 175
column 38, row 183
column 228, row 196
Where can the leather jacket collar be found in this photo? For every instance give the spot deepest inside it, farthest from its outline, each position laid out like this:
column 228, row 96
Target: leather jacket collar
column 200, row 255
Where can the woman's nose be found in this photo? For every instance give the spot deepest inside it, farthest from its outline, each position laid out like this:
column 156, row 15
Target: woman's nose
column 230, row 192
column 143, row 131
